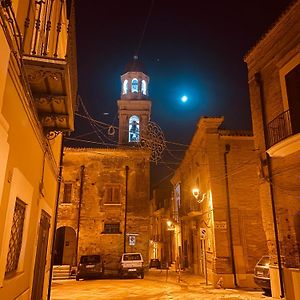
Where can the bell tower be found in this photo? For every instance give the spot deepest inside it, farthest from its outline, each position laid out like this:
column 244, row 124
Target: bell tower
column 134, row 107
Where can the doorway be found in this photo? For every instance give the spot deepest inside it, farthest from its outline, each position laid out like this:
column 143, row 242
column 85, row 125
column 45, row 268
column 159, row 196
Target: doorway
column 65, row 246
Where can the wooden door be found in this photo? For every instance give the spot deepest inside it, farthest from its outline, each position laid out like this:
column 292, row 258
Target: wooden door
column 40, row 259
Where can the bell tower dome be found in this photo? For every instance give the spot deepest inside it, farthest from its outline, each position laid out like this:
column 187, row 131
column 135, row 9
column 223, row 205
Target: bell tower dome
column 134, row 107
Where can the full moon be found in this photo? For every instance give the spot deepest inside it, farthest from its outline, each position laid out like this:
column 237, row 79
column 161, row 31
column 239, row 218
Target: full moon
column 184, row 98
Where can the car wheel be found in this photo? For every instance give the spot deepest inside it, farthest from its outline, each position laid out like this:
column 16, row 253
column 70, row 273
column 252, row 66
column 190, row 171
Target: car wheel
column 267, row 292
column 77, row 278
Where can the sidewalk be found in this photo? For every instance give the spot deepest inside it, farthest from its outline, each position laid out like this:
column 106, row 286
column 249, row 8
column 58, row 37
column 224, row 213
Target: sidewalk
column 189, row 281
column 171, row 276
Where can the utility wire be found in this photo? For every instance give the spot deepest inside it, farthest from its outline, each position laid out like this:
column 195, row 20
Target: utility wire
column 144, row 29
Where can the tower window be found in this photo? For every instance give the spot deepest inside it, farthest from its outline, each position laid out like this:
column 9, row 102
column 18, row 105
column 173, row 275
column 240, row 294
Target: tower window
column 134, row 129
column 125, row 86
column 134, row 85
column 144, row 87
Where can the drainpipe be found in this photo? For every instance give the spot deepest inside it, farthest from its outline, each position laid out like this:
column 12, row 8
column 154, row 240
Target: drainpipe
column 259, row 82
column 227, row 149
column 126, row 200
column 55, row 215
column 82, row 168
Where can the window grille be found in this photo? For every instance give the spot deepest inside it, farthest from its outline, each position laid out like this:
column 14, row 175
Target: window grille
column 15, row 242
column 112, row 195
column 67, row 193
column 112, row 228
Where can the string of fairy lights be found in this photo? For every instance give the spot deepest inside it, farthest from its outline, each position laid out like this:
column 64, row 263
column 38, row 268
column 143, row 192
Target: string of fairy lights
column 106, row 136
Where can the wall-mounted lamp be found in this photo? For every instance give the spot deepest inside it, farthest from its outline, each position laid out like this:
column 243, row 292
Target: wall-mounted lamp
column 171, row 226
column 199, row 197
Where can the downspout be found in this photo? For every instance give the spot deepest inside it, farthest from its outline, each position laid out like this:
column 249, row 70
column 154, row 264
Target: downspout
column 227, row 149
column 126, row 200
column 82, row 168
column 269, row 167
column 55, row 215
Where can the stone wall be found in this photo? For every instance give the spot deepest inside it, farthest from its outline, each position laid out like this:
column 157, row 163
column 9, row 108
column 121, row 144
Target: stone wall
column 102, row 169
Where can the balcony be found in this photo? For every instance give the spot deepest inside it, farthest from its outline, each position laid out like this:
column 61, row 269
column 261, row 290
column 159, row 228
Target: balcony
column 283, row 135
column 190, row 209
column 194, row 208
column 45, row 50
column 50, row 64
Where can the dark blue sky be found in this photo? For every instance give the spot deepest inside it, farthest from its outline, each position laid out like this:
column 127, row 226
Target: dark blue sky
column 189, row 47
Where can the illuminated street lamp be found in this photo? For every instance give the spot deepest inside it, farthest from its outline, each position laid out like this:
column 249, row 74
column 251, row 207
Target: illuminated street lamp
column 196, row 192
column 197, row 195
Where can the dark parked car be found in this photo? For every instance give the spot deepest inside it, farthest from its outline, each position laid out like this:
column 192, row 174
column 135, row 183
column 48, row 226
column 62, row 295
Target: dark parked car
column 262, row 274
column 90, row 266
column 155, row 263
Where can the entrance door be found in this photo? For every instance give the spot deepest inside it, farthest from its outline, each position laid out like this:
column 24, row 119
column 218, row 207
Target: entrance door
column 65, row 246
column 40, row 259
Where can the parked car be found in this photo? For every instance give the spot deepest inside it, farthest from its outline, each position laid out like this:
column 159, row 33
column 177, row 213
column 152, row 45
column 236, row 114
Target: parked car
column 131, row 264
column 262, row 274
column 90, row 266
column 155, row 263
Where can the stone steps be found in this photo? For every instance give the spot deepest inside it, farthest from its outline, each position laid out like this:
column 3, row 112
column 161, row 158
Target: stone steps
column 61, row 272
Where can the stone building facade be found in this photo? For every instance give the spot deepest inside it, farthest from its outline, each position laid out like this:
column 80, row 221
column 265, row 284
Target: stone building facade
column 220, row 222
column 274, row 85
column 105, row 200
column 38, row 90
column 94, row 201
column 160, row 213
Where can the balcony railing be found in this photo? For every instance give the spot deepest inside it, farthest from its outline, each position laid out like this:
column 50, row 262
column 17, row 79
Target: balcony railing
column 43, row 43
column 279, row 128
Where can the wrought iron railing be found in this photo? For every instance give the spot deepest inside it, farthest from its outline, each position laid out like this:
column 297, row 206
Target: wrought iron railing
column 279, row 128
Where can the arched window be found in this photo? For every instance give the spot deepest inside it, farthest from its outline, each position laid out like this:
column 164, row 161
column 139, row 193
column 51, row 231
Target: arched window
column 134, row 129
column 125, row 86
column 134, row 85
column 144, row 87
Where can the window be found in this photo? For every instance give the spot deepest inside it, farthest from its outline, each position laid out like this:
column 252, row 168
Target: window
column 292, row 80
column 111, row 228
column 112, row 194
column 16, row 236
column 134, row 85
column 67, row 193
column 134, row 129
column 125, row 86
column 144, row 87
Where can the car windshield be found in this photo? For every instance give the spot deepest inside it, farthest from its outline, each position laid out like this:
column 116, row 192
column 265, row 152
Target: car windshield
column 90, row 259
column 132, row 257
column 264, row 261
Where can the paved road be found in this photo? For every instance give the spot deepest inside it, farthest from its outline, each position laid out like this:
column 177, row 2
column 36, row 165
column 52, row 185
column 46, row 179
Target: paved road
column 147, row 288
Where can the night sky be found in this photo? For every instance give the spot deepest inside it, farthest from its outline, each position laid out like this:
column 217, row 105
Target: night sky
column 192, row 48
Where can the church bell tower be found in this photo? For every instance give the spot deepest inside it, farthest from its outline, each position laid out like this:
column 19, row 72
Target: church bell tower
column 134, row 107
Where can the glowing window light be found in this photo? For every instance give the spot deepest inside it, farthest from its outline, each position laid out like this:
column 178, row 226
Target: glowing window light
column 125, row 86
column 144, row 87
column 134, row 85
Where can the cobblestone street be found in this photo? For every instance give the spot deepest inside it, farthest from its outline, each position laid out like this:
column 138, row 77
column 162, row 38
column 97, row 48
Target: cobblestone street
column 155, row 285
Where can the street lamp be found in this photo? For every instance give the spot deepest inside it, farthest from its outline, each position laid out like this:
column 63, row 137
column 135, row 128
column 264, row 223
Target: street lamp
column 169, row 223
column 197, row 195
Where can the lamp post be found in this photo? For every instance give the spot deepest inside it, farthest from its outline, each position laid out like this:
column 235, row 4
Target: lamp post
column 125, row 210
